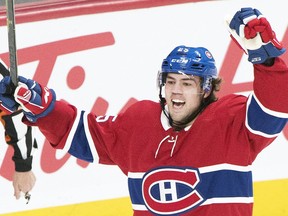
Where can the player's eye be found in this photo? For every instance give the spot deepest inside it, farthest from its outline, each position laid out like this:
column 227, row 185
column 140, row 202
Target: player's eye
column 187, row 84
column 170, row 82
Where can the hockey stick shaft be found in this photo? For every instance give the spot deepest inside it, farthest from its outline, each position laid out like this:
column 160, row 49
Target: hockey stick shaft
column 10, row 11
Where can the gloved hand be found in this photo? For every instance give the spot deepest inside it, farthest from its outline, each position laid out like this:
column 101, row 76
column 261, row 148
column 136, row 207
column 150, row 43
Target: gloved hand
column 35, row 100
column 253, row 33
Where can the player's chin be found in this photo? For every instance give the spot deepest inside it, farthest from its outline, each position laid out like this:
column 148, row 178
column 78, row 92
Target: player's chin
column 177, row 115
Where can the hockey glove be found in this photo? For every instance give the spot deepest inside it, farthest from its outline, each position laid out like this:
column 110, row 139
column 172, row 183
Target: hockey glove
column 7, row 101
column 253, row 33
column 35, row 100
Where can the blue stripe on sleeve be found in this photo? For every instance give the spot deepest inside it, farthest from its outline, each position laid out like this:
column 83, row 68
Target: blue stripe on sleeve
column 80, row 147
column 258, row 120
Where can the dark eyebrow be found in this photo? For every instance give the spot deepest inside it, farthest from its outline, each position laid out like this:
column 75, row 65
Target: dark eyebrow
column 170, row 77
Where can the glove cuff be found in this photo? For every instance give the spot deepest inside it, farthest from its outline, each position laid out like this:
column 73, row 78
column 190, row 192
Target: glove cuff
column 265, row 52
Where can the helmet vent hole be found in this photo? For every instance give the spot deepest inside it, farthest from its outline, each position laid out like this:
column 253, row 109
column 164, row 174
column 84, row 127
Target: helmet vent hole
column 197, row 66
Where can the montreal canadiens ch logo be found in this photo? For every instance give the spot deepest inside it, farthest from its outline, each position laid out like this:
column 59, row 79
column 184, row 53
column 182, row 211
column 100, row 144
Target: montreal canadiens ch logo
column 171, row 191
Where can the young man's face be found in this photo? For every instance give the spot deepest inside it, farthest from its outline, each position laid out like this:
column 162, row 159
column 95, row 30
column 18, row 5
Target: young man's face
column 183, row 94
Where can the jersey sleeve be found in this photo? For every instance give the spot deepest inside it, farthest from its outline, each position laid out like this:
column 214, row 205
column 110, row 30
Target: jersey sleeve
column 57, row 132
column 267, row 106
column 21, row 138
column 270, row 87
column 84, row 135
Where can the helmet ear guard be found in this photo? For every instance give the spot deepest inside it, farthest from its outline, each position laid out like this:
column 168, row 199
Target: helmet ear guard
column 207, row 84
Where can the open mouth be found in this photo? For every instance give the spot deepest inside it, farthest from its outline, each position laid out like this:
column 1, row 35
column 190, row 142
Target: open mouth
column 178, row 103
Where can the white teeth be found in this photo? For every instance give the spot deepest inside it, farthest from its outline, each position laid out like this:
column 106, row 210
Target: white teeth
column 177, row 101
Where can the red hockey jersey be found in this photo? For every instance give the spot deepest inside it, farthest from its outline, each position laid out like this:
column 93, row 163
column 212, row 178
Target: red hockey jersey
column 204, row 170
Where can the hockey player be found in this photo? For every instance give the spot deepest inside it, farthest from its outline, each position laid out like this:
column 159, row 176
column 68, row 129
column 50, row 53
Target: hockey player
column 190, row 154
column 21, row 138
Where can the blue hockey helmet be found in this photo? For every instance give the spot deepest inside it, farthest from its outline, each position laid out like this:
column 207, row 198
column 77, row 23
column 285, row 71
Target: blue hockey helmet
column 197, row 61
